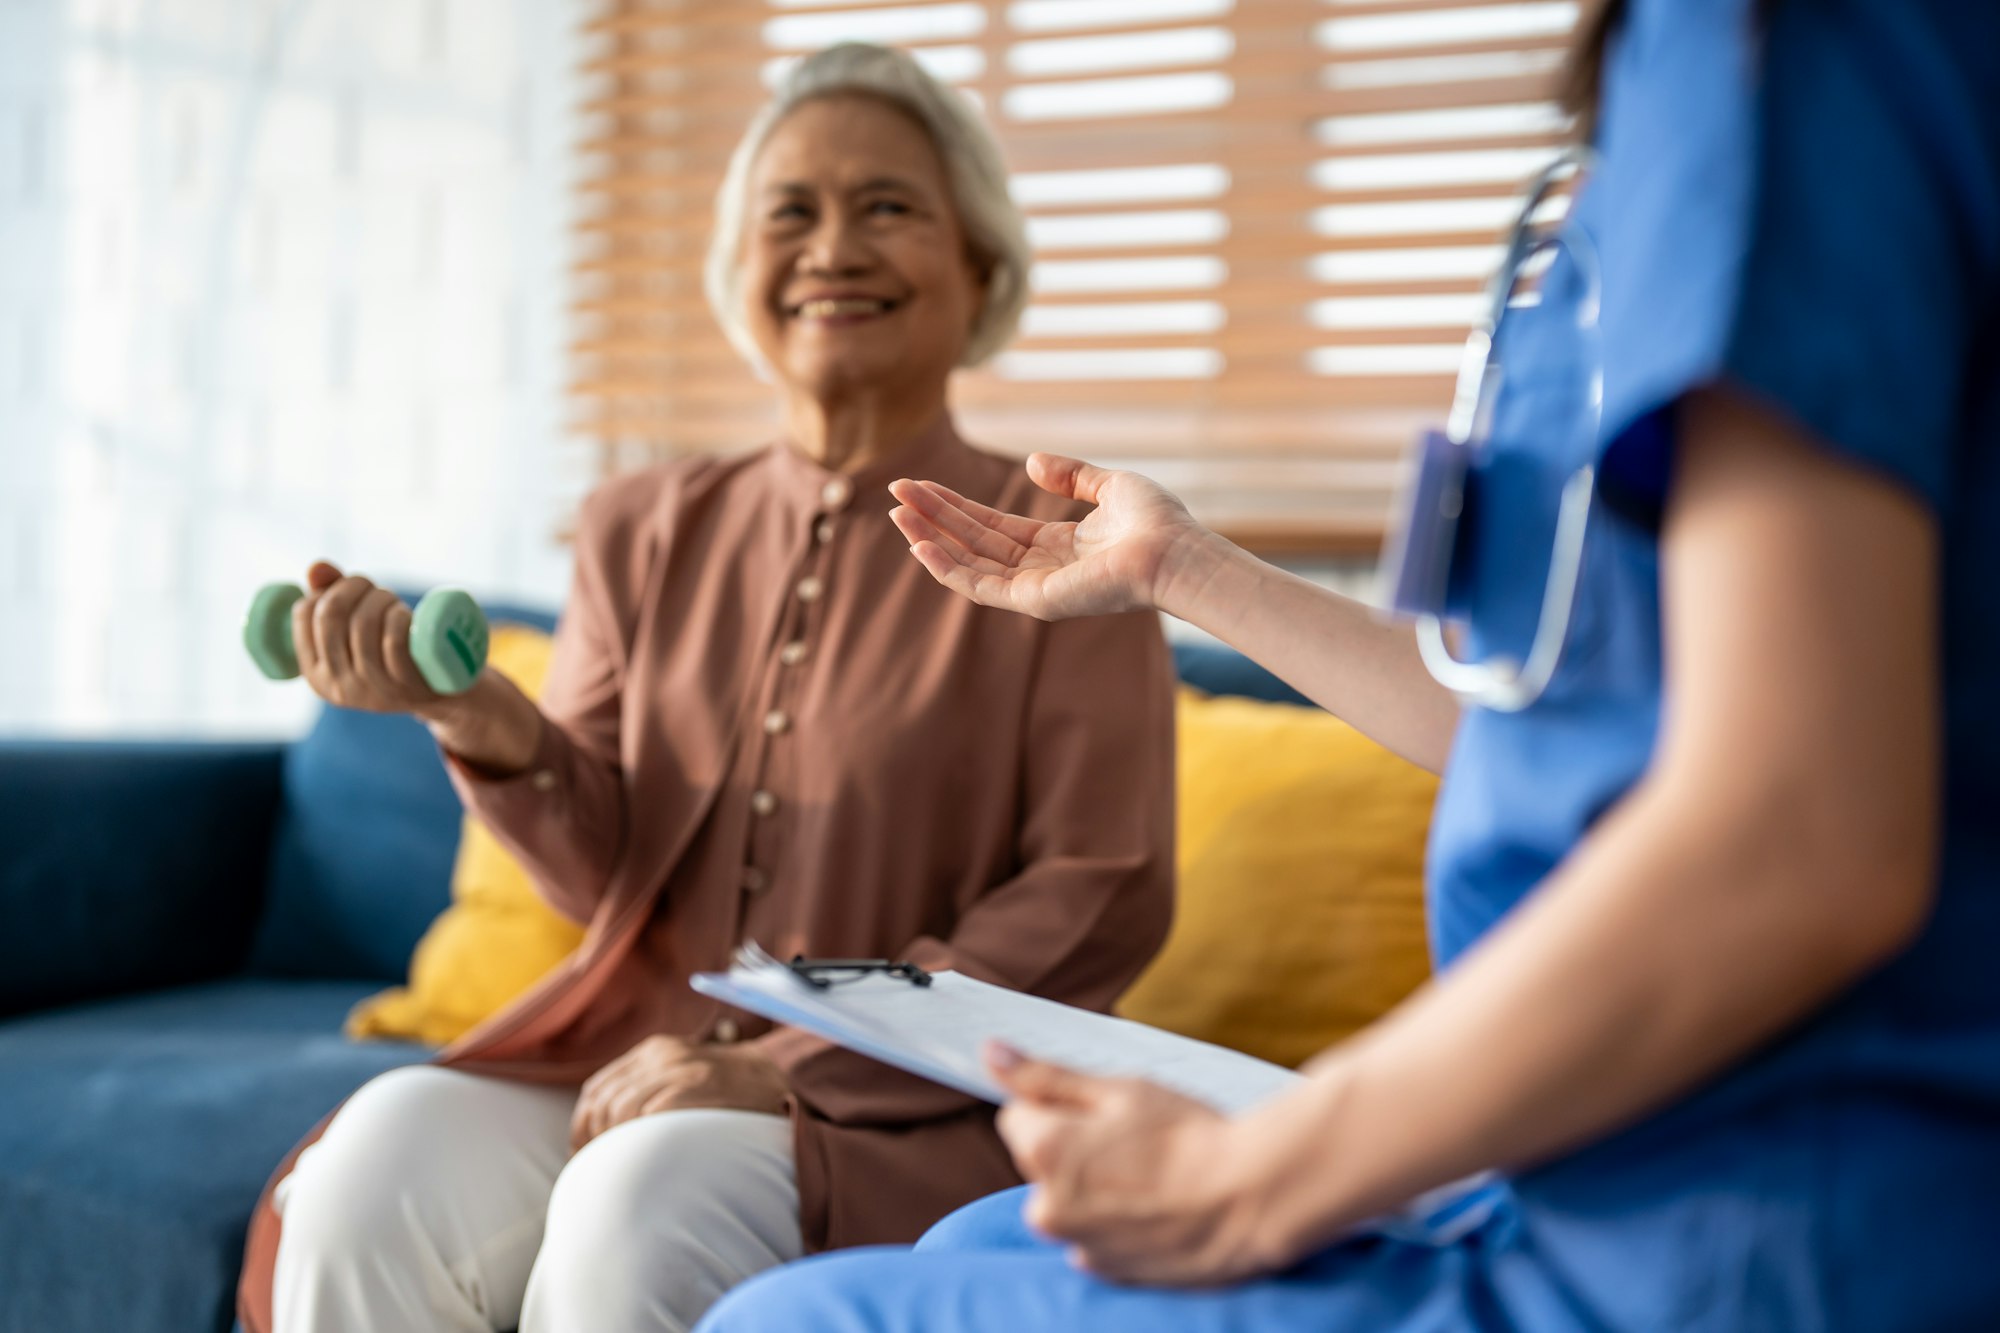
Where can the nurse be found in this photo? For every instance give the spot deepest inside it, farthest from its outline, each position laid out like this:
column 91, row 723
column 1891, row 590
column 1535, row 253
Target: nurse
column 1715, row 911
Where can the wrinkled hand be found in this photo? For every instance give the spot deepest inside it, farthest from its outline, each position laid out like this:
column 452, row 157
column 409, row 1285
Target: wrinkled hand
column 667, row 1074
column 353, row 642
column 1116, row 558
column 1135, row 1178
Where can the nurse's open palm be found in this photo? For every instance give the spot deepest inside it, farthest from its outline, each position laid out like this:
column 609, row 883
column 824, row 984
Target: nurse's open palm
column 1116, row 558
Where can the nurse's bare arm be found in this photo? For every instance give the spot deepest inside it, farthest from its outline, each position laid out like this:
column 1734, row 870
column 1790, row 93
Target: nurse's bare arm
column 1140, row 548
column 1781, row 846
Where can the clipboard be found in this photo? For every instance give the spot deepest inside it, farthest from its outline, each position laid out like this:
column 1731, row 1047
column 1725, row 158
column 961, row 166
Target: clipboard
column 939, row 1028
column 936, row 1028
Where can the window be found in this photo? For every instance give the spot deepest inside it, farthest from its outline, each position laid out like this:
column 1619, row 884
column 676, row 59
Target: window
column 1260, row 227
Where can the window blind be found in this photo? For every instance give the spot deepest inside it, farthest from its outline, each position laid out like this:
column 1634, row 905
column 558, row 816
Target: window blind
column 1260, row 227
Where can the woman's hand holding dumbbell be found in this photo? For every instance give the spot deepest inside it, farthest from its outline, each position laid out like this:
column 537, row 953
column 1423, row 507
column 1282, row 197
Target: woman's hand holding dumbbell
column 354, row 646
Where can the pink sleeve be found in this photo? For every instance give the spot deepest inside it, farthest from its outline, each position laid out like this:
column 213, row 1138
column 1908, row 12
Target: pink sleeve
column 564, row 815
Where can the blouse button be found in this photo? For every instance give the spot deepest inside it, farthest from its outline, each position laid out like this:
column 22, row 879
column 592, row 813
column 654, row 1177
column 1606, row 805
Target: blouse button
column 775, row 722
column 823, row 531
column 810, row 588
column 836, row 493
column 793, row 653
column 763, row 802
column 726, row 1030
column 755, row 880
column 543, row 780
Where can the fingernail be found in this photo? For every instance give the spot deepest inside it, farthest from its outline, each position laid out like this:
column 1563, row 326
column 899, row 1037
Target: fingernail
column 1002, row 1056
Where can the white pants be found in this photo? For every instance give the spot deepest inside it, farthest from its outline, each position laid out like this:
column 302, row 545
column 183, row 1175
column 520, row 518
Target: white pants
column 439, row 1200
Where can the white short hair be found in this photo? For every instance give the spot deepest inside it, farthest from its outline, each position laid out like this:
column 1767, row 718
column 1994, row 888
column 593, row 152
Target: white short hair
column 994, row 230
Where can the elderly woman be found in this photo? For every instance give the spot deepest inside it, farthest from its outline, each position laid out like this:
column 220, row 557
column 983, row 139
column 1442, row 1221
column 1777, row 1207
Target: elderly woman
column 764, row 722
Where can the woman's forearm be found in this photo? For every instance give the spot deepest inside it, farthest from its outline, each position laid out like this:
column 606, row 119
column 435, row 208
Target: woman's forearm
column 1333, row 649
column 565, row 820
column 493, row 727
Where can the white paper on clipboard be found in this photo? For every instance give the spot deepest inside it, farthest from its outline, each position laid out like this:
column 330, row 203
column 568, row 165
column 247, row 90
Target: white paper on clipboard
column 939, row 1031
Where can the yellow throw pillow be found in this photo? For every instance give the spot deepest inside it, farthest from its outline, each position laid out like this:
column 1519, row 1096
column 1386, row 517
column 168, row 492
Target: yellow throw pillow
column 1299, row 916
column 498, row 937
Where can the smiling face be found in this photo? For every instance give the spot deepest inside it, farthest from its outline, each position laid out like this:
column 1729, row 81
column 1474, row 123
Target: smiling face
column 855, row 276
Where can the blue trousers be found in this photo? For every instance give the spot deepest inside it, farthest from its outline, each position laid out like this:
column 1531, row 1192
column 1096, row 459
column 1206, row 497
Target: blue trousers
column 982, row 1271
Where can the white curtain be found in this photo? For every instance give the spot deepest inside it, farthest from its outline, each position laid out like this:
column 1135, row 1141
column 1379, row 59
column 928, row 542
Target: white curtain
column 279, row 279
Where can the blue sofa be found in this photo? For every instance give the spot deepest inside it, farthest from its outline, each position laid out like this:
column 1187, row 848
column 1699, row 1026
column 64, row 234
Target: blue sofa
column 183, row 928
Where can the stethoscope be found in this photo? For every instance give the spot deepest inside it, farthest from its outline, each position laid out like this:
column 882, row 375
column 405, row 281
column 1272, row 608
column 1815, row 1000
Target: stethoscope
column 1418, row 560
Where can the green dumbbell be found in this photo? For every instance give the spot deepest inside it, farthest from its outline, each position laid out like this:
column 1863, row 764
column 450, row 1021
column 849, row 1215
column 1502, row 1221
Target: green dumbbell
column 447, row 636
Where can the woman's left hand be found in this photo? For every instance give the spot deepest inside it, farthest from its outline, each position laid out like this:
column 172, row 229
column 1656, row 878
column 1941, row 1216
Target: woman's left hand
column 667, row 1074
column 1135, row 1178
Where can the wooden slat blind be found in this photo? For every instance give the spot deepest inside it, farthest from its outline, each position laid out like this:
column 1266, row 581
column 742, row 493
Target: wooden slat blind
column 1260, row 227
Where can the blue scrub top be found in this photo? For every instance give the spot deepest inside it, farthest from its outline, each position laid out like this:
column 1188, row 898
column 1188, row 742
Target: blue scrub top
column 1813, row 216
column 1818, row 223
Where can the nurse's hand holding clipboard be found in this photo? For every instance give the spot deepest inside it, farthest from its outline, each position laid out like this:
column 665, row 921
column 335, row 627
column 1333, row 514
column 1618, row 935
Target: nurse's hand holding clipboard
column 1131, row 1175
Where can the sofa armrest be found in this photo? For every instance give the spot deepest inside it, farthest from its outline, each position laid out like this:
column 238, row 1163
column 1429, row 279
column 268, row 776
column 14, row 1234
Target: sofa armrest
column 129, row 865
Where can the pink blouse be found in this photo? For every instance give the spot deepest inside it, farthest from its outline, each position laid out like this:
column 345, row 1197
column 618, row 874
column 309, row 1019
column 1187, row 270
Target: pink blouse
column 768, row 723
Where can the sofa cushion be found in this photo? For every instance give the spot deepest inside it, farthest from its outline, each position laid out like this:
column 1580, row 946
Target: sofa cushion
column 1299, row 915
column 136, row 1135
column 128, row 865
column 361, row 858
column 498, row 937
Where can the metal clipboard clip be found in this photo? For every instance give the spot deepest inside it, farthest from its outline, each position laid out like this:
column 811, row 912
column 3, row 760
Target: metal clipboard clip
column 826, row 973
